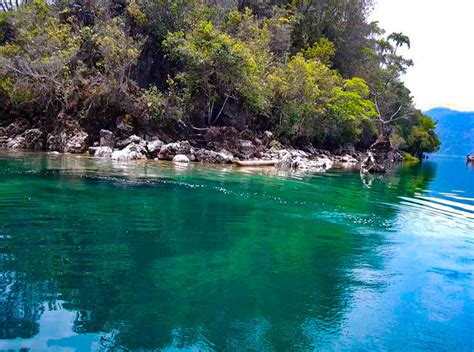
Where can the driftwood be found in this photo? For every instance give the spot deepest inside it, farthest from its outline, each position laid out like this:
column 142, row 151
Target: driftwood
column 255, row 163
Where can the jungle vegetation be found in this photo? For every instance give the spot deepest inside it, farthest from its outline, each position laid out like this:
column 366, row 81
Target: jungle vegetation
column 309, row 71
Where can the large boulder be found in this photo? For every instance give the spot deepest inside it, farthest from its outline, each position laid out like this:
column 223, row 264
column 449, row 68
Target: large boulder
column 77, row 142
column 3, row 141
column 124, row 126
column 55, row 142
column 134, row 151
column 180, row 158
column 212, row 157
column 34, row 139
column 106, row 138
column 132, row 139
column 73, row 141
column 169, row 151
column 247, row 148
column 17, row 127
column 17, row 142
column 267, row 137
column 154, row 148
column 301, row 161
column 286, row 162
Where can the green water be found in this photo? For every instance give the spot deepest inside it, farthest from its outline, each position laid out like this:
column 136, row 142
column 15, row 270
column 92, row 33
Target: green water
column 96, row 255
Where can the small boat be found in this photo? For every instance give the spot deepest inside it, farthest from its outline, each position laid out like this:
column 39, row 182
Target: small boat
column 255, row 163
column 470, row 158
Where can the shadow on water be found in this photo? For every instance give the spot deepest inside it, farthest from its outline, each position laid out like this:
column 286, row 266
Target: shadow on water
column 148, row 256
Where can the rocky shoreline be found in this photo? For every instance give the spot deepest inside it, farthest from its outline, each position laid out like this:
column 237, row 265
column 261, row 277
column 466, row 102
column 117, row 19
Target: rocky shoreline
column 219, row 145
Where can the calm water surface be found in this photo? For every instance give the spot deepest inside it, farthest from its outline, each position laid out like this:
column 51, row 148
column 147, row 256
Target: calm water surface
column 96, row 255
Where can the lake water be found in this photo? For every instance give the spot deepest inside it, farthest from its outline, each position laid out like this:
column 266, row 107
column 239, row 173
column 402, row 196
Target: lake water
column 96, row 255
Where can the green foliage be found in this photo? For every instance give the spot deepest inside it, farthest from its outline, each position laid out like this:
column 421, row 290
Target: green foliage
column 6, row 28
column 302, row 90
column 54, row 60
column 311, row 71
column 408, row 158
column 316, row 104
column 217, row 67
column 350, row 113
column 36, row 63
column 155, row 102
column 422, row 137
column 118, row 51
column 322, row 50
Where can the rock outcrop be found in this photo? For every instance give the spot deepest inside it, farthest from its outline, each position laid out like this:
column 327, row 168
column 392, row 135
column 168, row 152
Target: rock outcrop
column 135, row 149
column 107, row 139
column 77, row 142
column 17, row 127
column 212, row 157
column 154, row 148
column 103, row 152
column 17, row 142
column 169, row 151
column 131, row 152
column 223, row 145
column 298, row 160
column 34, row 139
column 380, row 157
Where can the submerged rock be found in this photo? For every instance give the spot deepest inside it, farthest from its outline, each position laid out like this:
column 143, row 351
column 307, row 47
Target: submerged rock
column 74, row 142
column 286, row 162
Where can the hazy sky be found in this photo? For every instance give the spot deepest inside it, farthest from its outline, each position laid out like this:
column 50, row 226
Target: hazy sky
column 442, row 46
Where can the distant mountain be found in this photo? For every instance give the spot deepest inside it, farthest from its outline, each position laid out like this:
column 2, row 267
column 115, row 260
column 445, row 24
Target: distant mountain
column 455, row 129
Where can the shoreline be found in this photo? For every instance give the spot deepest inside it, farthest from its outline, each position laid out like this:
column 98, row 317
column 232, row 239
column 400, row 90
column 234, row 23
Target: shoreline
column 219, row 145
column 335, row 166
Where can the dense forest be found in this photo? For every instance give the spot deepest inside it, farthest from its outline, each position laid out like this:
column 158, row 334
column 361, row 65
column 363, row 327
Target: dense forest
column 311, row 72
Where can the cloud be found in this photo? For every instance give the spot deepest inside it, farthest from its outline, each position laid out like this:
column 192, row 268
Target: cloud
column 441, row 36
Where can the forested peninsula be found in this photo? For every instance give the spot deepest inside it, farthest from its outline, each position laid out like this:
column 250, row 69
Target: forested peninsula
column 299, row 83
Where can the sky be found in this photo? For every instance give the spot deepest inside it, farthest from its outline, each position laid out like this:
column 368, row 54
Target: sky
column 442, row 47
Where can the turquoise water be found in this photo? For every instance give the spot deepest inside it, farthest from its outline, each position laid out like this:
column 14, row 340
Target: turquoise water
column 96, row 255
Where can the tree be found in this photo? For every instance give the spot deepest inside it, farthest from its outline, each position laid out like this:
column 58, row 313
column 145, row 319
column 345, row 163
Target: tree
column 217, row 66
column 36, row 64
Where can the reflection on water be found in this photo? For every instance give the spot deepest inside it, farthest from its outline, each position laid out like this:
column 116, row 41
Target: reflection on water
column 101, row 255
